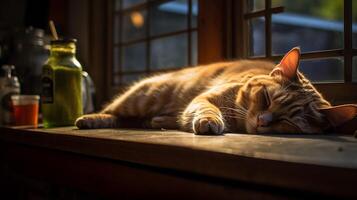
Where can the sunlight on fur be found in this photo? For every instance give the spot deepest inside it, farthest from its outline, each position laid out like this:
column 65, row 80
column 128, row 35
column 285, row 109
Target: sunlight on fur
column 241, row 96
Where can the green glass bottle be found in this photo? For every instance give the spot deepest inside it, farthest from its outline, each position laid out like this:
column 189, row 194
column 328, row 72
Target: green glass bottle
column 61, row 85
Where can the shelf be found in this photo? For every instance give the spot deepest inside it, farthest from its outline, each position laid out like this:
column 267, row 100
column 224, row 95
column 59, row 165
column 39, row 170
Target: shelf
column 317, row 164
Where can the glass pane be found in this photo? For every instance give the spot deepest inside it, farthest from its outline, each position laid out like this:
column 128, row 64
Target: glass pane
column 255, row 5
column 116, row 58
column 257, row 36
column 131, row 3
column 354, row 25
column 169, row 17
column 130, row 78
column 312, row 25
column 354, row 69
column 323, row 70
column 134, row 57
column 194, row 13
column 116, row 33
column 169, row 52
column 117, row 5
column 134, row 24
column 194, row 48
column 276, row 3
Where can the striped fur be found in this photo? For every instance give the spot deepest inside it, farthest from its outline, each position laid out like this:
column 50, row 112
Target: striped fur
column 217, row 98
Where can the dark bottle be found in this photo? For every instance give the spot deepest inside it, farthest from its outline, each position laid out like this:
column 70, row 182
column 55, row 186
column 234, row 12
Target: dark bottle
column 9, row 85
column 29, row 54
column 61, row 85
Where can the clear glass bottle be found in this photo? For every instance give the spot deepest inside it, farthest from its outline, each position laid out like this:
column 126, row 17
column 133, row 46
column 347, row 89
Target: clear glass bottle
column 61, row 85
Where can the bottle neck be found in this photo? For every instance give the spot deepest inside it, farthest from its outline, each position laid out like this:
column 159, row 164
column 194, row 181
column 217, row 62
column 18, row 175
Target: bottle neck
column 67, row 50
column 7, row 71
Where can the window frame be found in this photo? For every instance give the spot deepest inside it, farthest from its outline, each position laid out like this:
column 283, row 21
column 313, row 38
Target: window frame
column 336, row 93
column 189, row 29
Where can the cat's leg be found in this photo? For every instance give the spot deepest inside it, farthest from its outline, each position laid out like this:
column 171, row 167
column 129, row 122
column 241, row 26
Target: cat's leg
column 135, row 103
column 99, row 120
column 109, row 116
column 166, row 122
column 202, row 117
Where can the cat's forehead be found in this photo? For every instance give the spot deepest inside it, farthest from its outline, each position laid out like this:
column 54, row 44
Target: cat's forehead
column 264, row 80
column 285, row 93
column 275, row 87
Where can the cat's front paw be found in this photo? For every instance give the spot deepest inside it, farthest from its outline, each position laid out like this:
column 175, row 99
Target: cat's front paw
column 92, row 121
column 208, row 125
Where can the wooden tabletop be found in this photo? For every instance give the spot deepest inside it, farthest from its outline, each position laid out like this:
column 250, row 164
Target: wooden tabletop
column 317, row 163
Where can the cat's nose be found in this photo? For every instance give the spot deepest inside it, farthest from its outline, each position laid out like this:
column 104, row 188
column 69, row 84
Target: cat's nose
column 264, row 119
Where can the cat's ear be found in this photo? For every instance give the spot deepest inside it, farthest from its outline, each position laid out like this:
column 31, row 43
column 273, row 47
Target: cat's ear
column 339, row 115
column 288, row 65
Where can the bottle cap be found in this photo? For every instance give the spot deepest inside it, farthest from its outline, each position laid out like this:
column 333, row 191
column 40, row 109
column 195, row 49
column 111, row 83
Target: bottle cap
column 8, row 67
column 64, row 41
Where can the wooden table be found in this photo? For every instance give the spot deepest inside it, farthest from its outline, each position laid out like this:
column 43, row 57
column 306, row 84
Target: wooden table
column 172, row 164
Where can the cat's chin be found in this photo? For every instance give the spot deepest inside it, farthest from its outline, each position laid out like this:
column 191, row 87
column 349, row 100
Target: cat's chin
column 252, row 130
column 260, row 130
column 264, row 130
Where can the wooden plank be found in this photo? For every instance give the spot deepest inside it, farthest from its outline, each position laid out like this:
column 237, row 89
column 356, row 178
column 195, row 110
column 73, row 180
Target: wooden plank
column 124, row 180
column 322, row 164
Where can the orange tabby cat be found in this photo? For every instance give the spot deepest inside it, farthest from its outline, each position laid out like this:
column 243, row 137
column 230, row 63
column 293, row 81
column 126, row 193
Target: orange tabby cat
column 241, row 96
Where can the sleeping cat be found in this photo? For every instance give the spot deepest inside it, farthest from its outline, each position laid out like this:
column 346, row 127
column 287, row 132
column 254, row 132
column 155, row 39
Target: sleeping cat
column 241, row 96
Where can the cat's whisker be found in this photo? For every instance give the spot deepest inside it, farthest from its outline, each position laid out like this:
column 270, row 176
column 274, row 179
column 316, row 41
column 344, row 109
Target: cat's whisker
column 235, row 114
column 235, row 110
column 245, row 110
column 241, row 107
column 236, row 117
column 230, row 100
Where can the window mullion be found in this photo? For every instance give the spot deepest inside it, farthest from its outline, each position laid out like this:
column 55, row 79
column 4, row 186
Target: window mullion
column 120, row 67
column 189, row 39
column 268, row 36
column 148, row 41
column 348, row 40
column 240, row 34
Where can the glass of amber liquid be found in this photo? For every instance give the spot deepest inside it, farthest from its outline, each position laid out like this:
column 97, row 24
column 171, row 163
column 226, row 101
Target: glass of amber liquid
column 25, row 109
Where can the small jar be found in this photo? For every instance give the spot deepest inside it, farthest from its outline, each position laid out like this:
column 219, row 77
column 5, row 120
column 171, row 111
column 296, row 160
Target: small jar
column 61, row 85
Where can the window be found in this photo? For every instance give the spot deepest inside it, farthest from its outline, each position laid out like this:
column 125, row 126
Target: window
column 145, row 33
column 152, row 36
column 322, row 28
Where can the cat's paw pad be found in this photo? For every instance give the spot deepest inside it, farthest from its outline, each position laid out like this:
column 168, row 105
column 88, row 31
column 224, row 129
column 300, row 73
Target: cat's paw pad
column 208, row 125
column 92, row 121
